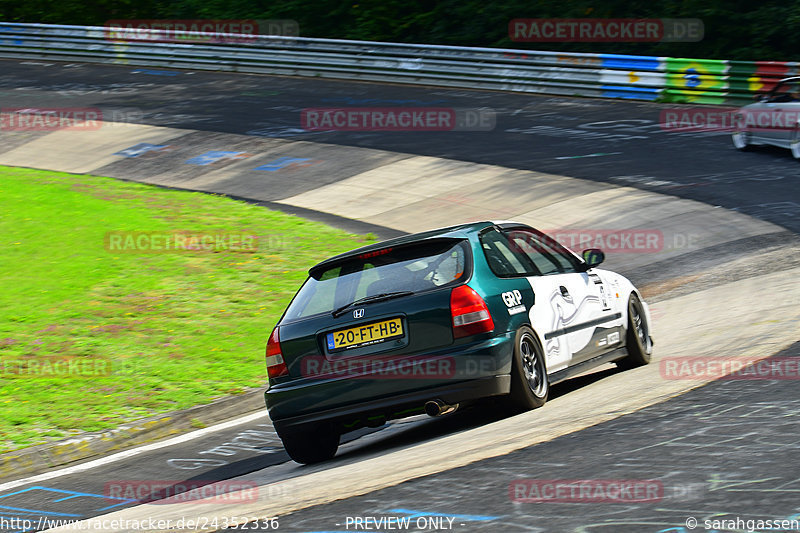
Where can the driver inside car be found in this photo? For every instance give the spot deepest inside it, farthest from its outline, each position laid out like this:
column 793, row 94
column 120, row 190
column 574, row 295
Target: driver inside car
column 793, row 95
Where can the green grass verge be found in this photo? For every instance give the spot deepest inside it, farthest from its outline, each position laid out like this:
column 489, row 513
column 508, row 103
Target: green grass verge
column 176, row 329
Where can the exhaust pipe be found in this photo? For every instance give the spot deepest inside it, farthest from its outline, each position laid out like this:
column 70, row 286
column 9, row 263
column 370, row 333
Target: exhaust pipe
column 439, row 408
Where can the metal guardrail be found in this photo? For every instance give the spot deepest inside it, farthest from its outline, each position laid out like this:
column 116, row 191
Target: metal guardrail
column 560, row 73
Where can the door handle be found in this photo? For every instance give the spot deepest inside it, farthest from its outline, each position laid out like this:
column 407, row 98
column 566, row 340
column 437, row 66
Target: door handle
column 564, row 291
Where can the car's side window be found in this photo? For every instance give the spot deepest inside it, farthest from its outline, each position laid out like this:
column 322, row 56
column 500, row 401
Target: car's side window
column 501, row 256
column 547, row 256
column 785, row 92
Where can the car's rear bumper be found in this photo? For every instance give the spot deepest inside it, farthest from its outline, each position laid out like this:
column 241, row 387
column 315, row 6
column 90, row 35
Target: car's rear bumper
column 374, row 412
column 475, row 370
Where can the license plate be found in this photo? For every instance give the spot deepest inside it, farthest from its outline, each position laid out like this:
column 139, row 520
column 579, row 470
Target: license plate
column 374, row 333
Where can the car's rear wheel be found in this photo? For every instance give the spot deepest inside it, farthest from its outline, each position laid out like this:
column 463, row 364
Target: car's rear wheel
column 741, row 140
column 529, row 383
column 637, row 338
column 312, row 444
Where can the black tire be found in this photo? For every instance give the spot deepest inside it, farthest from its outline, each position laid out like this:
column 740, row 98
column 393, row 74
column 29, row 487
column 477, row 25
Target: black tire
column 308, row 445
column 637, row 337
column 529, row 383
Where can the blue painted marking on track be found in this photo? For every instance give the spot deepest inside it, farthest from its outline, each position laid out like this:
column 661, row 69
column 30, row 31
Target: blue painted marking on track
column 142, row 148
column 627, row 62
column 283, row 162
column 467, row 517
column 12, row 512
column 213, row 156
column 35, row 511
column 122, row 501
column 74, row 494
column 63, row 495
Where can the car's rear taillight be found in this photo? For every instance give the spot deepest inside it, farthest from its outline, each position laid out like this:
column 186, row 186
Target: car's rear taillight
column 469, row 312
column 275, row 364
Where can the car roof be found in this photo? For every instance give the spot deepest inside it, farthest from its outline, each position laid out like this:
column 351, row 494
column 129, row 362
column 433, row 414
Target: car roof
column 460, row 231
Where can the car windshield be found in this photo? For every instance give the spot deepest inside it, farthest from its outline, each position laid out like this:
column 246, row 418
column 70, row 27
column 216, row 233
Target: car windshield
column 407, row 269
column 786, row 92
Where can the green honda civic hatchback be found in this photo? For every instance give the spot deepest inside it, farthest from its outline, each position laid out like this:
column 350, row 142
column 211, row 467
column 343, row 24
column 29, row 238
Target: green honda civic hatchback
column 429, row 322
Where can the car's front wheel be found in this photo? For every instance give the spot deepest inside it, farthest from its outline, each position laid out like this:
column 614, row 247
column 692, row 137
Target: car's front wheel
column 529, row 383
column 637, row 339
column 312, row 444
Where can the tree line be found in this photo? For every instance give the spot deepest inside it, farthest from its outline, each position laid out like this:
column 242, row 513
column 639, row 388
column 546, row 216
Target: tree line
column 734, row 29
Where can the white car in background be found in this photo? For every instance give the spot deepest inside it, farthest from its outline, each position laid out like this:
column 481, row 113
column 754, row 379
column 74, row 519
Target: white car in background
column 774, row 119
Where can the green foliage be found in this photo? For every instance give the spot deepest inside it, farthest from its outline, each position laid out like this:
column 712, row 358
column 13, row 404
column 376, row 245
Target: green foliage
column 734, row 29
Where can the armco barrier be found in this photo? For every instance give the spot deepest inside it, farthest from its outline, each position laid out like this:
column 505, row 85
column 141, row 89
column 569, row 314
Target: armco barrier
column 573, row 74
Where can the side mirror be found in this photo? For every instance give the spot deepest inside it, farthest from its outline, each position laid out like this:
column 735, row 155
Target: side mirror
column 593, row 257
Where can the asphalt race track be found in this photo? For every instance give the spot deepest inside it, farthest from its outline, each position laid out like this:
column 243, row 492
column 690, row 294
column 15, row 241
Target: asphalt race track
column 606, row 140
column 748, row 429
column 692, row 443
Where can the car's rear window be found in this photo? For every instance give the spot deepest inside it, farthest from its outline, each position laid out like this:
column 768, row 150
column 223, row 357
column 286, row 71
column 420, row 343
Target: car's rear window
column 416, row 268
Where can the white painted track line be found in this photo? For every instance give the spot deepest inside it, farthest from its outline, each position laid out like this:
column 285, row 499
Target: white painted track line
column 131, row 453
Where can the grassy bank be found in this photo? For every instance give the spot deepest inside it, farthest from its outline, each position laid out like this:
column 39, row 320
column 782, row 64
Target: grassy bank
column 93, row 334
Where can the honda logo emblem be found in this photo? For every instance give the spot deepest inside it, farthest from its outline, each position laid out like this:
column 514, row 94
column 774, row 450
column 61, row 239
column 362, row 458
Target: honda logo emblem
column 358, row 313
